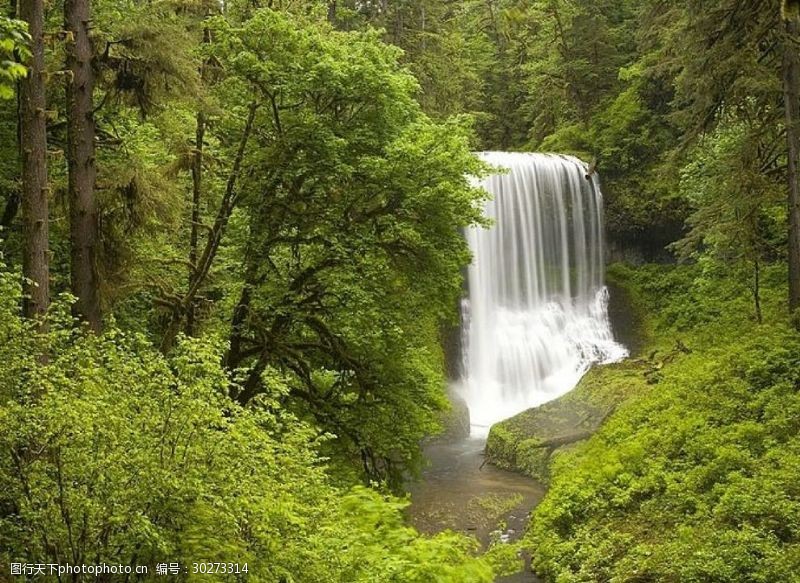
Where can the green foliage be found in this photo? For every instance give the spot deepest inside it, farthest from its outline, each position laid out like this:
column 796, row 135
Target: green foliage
column 594, row 94
column 350, row 217
column 635, row 85
column 572, row 76
column 146, row 53
column 336, row 260
column 444, row 46
column 737, row 212
column 13, row 39
column 344, row 230
column 111, row 452
column 696, row 479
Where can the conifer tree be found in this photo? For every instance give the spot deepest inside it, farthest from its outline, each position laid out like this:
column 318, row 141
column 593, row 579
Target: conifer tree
column 33, row 146
column 81, row 160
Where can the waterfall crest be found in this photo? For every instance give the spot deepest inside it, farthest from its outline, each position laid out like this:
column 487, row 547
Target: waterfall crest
column 535, row 318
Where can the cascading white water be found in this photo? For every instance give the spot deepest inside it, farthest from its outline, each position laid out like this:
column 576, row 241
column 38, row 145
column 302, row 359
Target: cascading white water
column 536, row 314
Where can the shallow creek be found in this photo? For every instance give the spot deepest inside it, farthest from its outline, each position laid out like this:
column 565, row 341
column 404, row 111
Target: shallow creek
column 456, row 493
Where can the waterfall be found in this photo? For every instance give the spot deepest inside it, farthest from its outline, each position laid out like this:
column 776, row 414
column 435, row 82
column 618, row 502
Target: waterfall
column 535, row 316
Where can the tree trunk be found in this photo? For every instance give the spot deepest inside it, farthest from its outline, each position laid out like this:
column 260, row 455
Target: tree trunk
column 33, row 145
column 582, row 434
column 204, row 262
column 757, row 290
column 234, row 355
column 233, row 358
column 791, row 92
column 197, row 193
column 81, row 162
column 562, row 440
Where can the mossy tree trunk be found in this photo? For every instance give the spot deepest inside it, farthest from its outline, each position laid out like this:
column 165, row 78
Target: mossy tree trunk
column 81, row 162
column 791, row 92
column 33, row 146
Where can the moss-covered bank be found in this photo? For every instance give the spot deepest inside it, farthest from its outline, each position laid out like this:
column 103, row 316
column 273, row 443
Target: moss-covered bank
column 529, row 441
column 695, row 477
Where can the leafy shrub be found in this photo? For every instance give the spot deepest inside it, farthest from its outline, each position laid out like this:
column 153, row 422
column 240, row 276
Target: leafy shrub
column 697, row 479
column 112, row 453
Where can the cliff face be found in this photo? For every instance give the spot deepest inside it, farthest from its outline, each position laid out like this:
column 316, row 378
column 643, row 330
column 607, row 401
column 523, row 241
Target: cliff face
column 649, row 246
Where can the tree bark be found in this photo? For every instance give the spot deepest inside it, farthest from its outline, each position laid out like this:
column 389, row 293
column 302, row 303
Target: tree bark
column 582, row 434
column 562, row 440
column 33, row 146
column 81, row 162
column 791, row 93
column 757, row 290
column 234, row 355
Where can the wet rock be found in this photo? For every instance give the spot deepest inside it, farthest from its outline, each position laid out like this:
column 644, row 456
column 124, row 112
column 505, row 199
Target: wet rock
column 456, row 421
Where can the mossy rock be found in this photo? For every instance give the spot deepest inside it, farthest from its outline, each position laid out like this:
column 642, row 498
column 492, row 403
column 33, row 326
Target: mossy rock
column 456, row 421
column 533, row 459
column 521, row 442
column 501, row 446
column 625, row 312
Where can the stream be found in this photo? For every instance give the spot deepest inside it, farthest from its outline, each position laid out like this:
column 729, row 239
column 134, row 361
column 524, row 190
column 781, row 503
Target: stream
column 456, row 493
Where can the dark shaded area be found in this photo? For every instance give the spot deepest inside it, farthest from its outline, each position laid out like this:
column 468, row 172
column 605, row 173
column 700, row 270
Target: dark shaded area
column 452, row 344
column 626, row 319
column 640, row 247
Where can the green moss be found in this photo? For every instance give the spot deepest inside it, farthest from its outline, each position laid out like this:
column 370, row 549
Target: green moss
column 533, row 459
column 516, row 443
column 455, row 418
column 626, row 309
column 494, row 506
column 501, row 447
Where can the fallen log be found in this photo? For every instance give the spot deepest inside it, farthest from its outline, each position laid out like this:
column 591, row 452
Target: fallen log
column 565, row 439
column 561, row 440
